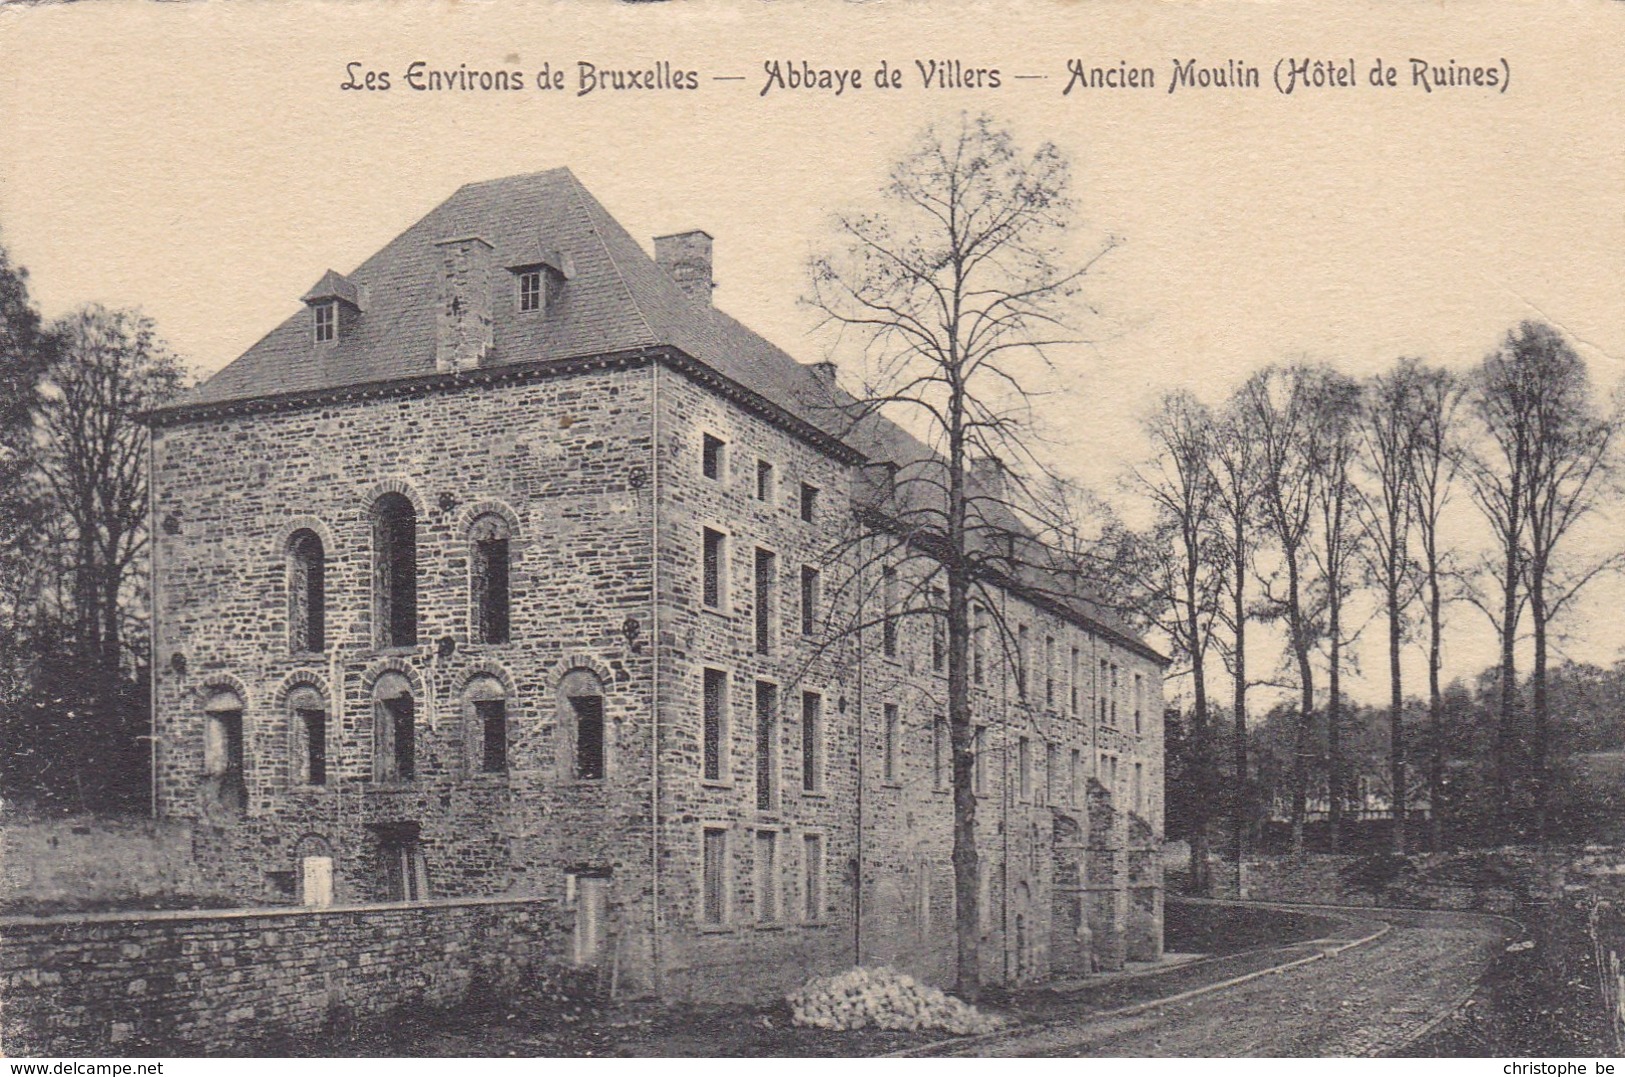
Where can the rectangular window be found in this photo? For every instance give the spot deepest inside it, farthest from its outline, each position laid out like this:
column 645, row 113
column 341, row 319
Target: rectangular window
column 809, row 600
column 889, row 756
column 812, row 741
column 766, row 614
column 980, row 769
column 315, row 726
column 984, row 895
column 1049, row 671
column 1139, row 700
column 1072, row 683
column 715, row 723
column 888, row 626
column 764, row 481
column 327, row 321
column 1113, row 762
column 714, row 910
column 1115, row 691
column 490, row 579
column 809, row 502
column 1139, row 788
column 589, row 711
column 1052, row 773
column 812, row 879
column 530, row 290
column 715, row 572
column 402, row 727
column 978, row 644
column 940, row 746
column 1024, row 777
column 406, row 873
column 767, row 877
column 493, row 716
column 1100, row 688
column 1074, row 778
column 223, row 756
column 711, row 458
column 767, row 745
column 1021, row 660
column 939, row 631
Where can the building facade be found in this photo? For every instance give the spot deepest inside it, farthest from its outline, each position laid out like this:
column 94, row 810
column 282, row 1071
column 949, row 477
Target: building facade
column 511, row 565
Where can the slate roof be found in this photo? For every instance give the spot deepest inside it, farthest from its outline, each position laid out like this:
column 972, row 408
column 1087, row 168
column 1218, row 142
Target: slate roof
column 616, row 299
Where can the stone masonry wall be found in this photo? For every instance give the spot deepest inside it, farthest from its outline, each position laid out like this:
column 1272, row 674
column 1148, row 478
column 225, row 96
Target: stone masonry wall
column 92, row 859
column 566, row 463
column 204, row 983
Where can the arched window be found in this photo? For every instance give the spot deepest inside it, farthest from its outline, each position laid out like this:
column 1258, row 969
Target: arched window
column 394, row 732
column 488, row 578
column 394, row 571
column 307, row 712
column 582, row 707
column 223, row 749
column 486, row 706
column 307, row 594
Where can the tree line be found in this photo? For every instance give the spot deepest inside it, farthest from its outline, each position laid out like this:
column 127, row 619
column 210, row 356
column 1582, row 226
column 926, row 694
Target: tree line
column 1307, row 486
column 74, row 666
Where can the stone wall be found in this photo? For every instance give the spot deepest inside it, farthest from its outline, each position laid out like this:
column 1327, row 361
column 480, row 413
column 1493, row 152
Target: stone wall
column 90, row 860
column 223, row 982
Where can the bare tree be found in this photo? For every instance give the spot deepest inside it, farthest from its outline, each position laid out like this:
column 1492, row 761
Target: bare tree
column 109, row 367
column 1277, row 408
column 1335, row 406
column 1435, row 398
column 1180, row 573
column 1234, row 468
column 954, row 294
column 1571, row 463
column 1389, row 433
column 1503, row 397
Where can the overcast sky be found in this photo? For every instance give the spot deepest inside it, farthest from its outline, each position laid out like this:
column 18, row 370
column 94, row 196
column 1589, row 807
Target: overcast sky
column 201, row 162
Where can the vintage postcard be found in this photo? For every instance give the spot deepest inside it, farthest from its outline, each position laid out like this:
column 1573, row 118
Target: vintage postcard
column 830, row 529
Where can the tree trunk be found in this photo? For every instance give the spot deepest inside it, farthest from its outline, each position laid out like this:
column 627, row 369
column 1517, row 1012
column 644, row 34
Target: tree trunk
column 1201, row 870
column 1396, row 705
column 1239, row 705
column 1306, row 706
column 1539, row 786
column 1334, row 724
column 1507, row 736
column 1435, row 706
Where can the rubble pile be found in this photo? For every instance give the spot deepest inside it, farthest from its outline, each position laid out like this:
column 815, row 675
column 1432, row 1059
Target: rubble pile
column 884, row 998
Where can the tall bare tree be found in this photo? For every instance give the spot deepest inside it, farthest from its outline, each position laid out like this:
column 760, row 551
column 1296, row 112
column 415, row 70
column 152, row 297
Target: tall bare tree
column 1277, row 408
column 1435, row 458
column 1389, row 435
column 1502, row 399
column 1235, row 519
column 1335, row 406
column 109, row 367
column 956, row 293
column 1180, row 572
column 1572, row 466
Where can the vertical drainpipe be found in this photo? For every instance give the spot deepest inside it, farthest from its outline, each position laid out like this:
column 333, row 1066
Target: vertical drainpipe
column 1005, row 791
column 152, row 592
column 857, row 882
column 657, row 973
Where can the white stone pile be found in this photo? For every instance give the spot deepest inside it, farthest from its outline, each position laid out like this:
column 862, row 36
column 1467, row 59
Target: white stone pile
column 884, row 998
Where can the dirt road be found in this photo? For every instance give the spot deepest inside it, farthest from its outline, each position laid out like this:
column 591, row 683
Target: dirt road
column 1367, row 1000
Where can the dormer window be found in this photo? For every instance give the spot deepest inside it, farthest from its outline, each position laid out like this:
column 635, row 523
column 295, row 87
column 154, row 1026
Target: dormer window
column 531, row 294
column 335, row 305
column 538, row 272
column 327, row 320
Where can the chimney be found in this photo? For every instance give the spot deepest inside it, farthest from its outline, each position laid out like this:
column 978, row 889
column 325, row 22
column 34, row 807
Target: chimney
column 686, row 258
column 825, row 369
column 988, row 473
column 463, row 335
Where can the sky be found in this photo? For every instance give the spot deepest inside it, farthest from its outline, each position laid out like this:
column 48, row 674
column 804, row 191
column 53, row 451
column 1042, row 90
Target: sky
column 202, row 162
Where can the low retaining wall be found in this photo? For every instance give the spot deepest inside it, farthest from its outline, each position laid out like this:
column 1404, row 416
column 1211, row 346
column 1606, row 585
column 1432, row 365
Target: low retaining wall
column 221, row 982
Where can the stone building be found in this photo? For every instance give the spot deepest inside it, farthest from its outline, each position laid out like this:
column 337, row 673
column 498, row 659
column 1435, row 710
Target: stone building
column 505, row 566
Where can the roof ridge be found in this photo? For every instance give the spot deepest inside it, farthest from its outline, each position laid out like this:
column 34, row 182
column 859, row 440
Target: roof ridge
column 582, row 196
